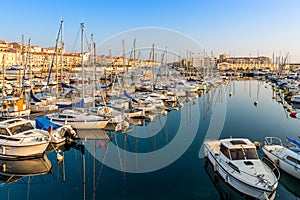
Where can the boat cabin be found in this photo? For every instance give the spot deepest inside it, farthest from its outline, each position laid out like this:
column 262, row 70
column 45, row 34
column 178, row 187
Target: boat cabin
column 15, row 126
column 238, row 149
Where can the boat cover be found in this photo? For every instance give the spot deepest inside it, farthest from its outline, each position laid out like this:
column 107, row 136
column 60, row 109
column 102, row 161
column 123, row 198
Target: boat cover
column 44, row 124
column 296, row 142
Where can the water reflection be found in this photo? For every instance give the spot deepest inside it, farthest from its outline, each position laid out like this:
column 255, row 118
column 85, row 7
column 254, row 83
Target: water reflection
column 13, row 170
column 290, row 183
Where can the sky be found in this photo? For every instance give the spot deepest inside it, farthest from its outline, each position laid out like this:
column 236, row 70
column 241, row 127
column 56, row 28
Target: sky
column 235, row 27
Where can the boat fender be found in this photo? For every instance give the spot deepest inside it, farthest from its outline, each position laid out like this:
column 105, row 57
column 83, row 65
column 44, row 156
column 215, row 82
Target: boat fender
column 257, row 144
column 293, row 114
column 50, row 129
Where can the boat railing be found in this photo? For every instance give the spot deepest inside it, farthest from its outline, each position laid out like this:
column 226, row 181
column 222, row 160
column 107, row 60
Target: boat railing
column 273, row 141
column 272, row 166
column 260, row 177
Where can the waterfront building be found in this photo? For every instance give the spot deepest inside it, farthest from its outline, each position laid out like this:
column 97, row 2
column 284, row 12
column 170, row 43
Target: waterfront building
column 249, row 63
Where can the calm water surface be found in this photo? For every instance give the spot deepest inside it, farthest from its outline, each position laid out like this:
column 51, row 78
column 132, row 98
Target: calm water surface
column 162, row 159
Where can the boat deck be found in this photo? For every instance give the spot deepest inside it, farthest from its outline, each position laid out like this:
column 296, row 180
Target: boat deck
column 214, row 145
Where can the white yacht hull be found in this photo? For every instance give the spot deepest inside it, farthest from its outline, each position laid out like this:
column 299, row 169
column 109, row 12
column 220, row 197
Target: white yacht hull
column 32, row 150
column 82, row 124
column 45, row 108
column 235, row 183
column 282, row 163
column 13, row 114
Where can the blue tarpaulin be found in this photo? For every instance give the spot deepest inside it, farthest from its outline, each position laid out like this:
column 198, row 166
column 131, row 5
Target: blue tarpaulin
column 296, row 142
column 44, row 124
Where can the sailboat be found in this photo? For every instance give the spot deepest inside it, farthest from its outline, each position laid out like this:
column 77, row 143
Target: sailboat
column 12, row 106
column 79, row 119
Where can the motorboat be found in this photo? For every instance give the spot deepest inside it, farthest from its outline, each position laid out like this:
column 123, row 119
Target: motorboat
column 287, row 158
column 116, row 119
column 185, row 86
column 58, row 133
column 78, row 120
column 237, row 162
column 14, row 107
column 19, row 138
column 295, row 98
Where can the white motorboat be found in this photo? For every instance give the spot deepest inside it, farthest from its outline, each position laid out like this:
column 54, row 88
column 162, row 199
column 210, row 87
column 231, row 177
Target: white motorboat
column 116, row 119
column 14, row 107
column 295, row 98
column 58, row 133
column 19, row 138
column 237, row 162
column 287, row 158
column 185, row 86
column 78, row 120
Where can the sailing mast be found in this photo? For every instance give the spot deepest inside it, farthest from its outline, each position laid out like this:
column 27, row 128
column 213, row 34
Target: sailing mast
column 56, row 61
column 56, row 64
column 82, row 60
column 153, row 58
column 3, row 75
column 23, row 63
column 167, row 70
column 93, row 55
column 61, row 51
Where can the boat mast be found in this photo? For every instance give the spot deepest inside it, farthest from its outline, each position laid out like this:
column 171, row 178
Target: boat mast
column 56, row 64
column 93, row 55
column 124, row 58
column 134, row 61
column 167, row 64
column 61, row 51
column 3, row 75
column 30, row 63
column 23, row 63
column 153, row 58
column 82, row 61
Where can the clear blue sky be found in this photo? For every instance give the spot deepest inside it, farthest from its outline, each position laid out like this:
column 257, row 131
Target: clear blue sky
column 235, row 27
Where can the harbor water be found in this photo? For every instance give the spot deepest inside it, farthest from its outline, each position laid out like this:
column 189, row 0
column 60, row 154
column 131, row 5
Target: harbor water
column 162, row 159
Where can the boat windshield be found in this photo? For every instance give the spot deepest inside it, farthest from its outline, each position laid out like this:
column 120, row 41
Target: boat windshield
column 21, row 128
column 242, row 154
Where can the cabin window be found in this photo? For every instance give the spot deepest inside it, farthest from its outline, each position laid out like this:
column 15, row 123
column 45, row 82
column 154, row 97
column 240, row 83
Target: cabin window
column 250, row 153
column 3, row 131
column 66, row 116
column 241, row 154
column 21, row 128
column 224, row 150
column 293, row 160
column 237, row 154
